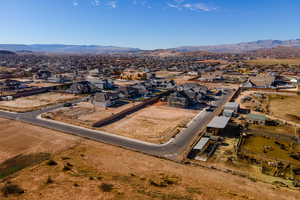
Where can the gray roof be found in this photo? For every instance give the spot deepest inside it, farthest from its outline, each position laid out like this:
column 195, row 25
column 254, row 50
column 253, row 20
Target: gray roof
column 218, row 122
column 201, row 144
column 228, row 112
column 231, row 105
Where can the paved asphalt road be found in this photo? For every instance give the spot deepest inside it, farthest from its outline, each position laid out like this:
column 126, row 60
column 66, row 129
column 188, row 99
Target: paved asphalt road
column 169, row 150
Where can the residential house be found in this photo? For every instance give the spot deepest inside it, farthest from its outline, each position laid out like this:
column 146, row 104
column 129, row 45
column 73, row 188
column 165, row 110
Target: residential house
column 128, row 92
column 10, row 84
column 256, row 119
column 163, row 84
column 43, row 74
column 82, row 87
column 217, row 124
column 233, row 106
column 132, row 74
column 188, row 95
column 104, row 84
column 105, row 99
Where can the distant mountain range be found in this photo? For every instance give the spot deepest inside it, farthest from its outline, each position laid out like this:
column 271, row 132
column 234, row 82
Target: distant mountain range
column 70, row 49
column 241, row 47
column 96, row 49
column 5, row 52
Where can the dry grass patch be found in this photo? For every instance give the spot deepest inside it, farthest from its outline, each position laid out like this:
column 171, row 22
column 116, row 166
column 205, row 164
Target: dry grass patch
column 285, row 107
column 103, row 172
column 275, row 61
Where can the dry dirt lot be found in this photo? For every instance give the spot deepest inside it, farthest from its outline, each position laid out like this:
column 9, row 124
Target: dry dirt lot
column 166, row 74
column 155, row 124
column 20, row 138
column 85, row 114
column 95, row 171
column 183, row 79
column 124, row 83
column 43, row 84
column 285, row 107
column 34, row 102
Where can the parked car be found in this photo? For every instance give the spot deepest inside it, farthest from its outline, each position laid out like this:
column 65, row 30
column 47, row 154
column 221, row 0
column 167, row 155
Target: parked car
column 68, row 105
column 210, row 109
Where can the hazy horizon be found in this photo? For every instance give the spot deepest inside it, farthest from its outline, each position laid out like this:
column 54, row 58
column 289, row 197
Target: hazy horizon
column 29, row 44
column 147, row 24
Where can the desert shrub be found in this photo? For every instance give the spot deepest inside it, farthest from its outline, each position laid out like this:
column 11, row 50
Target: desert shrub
column 51, row 163
column 164, row 180
column 49, row 180
column 69, row 164
column 105, row 187
column 66, row 168
column 194, row 190
column 65, row 158
column 12, row 189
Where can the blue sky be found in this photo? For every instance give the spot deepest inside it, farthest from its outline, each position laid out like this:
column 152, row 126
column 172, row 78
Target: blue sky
column 147, row 24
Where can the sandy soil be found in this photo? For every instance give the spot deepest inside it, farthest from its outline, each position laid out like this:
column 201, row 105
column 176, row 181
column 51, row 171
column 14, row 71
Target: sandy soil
column 35, row 102
column 134, row 176
column 19, row 138
column 156, row 124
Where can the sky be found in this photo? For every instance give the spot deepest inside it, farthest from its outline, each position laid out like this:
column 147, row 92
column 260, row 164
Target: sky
column 147, row 24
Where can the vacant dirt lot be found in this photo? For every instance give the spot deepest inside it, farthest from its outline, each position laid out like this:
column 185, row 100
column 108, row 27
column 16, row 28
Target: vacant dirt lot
column 166, row 74
column 95, row 171
column 20, row 138
column 29, row 103
column 156, row 124
column 285, row 107
column 85, row 114
column 183, row 79
column 43, row 84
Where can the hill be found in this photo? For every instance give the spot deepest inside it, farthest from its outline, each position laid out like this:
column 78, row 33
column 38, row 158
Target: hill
column 97, row 49
column 4, row 52
column 241, row 47
column 277, row 52
column 69, row 49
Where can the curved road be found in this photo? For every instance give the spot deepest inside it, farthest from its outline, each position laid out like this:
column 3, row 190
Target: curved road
column 170, row 150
